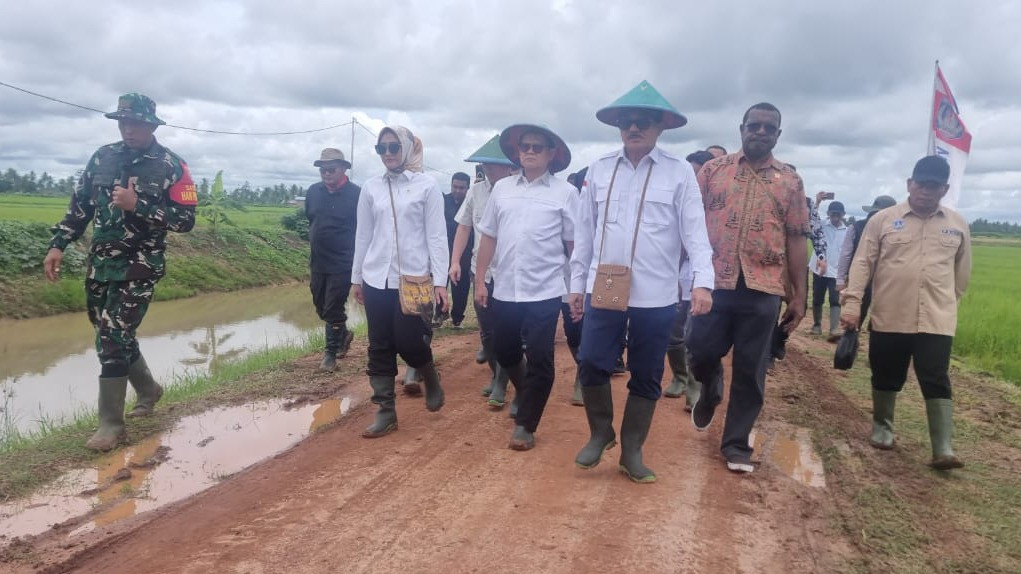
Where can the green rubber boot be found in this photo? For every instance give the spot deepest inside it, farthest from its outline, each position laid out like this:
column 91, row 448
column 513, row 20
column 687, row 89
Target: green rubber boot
column 940, row 413
column 883, row 405
column 633, row 431
column 678, row 361
column 835, row 331
column 386, row 417
column 148, row 391
column 498, row 396
column 577, row 397
column 817, row 320
column 434, row 395
column 112, row 391
column 599, row 412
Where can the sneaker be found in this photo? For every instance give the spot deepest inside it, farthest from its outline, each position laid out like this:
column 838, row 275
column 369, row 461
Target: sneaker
column 740, row 464
column 703, row 413
column 817, row 329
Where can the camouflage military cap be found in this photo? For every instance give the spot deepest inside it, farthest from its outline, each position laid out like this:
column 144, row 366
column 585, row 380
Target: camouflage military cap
column 136, row 107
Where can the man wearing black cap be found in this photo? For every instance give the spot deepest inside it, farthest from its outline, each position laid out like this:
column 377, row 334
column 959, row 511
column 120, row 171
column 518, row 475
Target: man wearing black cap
column 824, row 276
column 917, row 258
column 332, row 209
column 133, row 192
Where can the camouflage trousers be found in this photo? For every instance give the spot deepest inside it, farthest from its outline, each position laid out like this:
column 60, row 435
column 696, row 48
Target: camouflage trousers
column 116, row 309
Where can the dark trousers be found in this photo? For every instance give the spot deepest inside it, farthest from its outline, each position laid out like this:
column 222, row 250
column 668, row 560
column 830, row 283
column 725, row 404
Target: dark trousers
column 329, row 295
column 116, row 309
column 866, row 301
column 459, row 292
column 820, row 287
column 743, row 319
column 891, row 353
column 535, row 323
column 393, row 333
column 648, row 334
column 572, row 330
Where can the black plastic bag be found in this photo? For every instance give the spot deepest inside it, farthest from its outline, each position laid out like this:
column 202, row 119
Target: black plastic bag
column 847, row 349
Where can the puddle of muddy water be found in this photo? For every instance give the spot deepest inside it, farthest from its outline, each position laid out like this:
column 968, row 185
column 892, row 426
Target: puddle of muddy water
column 48, row 366
column 792, row 453
column 200, row 451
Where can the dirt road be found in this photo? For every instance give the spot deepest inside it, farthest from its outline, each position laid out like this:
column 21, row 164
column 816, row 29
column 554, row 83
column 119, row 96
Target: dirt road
column 445, row 494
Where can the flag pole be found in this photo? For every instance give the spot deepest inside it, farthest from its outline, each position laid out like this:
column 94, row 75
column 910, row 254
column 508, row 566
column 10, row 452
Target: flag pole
column 930, row 147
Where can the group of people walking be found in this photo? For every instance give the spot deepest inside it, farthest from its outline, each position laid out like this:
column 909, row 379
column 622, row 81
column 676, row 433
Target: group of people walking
column 684, row 259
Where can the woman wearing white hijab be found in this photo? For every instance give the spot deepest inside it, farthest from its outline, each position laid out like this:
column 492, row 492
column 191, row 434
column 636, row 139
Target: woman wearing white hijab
column 401, row 231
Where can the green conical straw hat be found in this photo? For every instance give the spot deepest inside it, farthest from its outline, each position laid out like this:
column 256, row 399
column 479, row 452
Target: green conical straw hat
column 644, row 97
column 490, row 153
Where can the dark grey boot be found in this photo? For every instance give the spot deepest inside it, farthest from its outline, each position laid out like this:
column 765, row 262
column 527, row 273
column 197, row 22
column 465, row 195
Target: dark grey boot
column 412, row 383
column 835, row 331
column 330, row 350
column 817, row 320
column 516, row 374
column 599, row 412
column 633, row 430
column 386, row 416
column 112, row 391
column 434, row 395
column 148, row 391
column 498, row 398
column 344, row 338
column 678, row 361
column 884, row 403
column 494, row 367
column 577, row 398
column 522, row 439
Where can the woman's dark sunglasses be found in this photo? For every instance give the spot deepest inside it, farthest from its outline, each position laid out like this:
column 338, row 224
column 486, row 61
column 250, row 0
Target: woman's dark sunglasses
column 392, row 148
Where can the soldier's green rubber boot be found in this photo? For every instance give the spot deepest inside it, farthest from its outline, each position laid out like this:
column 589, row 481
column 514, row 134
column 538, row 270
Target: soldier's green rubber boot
column 386, row 417
column 940, row 413
column 112, row 391
column 434, row 395
column 883, row 405
column 599, row 412
column 148, row 391
column 633, row 430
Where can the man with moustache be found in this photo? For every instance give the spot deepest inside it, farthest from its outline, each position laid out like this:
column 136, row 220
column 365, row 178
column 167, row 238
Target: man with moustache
column 757, row 217
column 495, row 166
column 134, row 192
column 331, row 206
column 916, row 256
column 640, row 209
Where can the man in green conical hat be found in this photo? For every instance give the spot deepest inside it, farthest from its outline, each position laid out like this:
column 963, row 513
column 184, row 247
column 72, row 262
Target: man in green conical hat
column 495, row 166
column 133, row 192
column 640, row 209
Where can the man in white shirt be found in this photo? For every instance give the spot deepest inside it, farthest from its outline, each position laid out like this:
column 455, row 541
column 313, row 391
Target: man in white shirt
column 824, row 276
column 495, row 166
column 640, row 207
column 528, row 220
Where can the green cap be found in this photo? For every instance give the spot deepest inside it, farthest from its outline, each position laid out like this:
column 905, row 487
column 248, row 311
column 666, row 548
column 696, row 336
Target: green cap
column 490, row 153
column 642, row 97
column 136, row 107
column 511, row 136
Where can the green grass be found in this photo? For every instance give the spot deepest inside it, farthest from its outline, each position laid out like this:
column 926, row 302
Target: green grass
column 989, row 318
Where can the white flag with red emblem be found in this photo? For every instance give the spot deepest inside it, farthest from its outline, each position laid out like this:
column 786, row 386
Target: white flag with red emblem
column 948, row 137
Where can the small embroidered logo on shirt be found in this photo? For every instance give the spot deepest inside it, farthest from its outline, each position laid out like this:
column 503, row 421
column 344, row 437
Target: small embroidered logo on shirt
column 898, row 224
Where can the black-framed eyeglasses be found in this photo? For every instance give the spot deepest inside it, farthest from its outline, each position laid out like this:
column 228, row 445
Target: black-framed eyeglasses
column 754, row 127
column 532, row 147
column 641, row 122
column 392, row 148
column 328, row 169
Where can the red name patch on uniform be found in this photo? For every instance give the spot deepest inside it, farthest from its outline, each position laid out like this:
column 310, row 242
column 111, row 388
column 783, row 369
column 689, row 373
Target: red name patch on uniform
column 183, row 192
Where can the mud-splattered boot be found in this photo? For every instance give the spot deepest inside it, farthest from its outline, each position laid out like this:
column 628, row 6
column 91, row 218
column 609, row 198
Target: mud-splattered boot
column 633, row 430
column 148, row 391
column 386, row 416
column 434, row 395
column 112, row 391
column 599, row 412
column 940, row 413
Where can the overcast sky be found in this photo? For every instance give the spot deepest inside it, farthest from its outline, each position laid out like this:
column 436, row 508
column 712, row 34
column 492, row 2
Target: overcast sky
column 852, row 79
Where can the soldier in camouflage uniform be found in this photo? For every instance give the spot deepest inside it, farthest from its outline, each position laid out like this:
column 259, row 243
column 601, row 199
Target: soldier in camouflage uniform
column 133, row 191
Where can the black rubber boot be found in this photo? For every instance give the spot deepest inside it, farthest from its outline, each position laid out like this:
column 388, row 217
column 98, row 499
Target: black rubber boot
column 516, row 374
column 434, row 396
column 633, row 430
column 148, row 391
column 599, row 411
column 330, row 350
column 386, row 416
column 344, row 339
column 112, row 391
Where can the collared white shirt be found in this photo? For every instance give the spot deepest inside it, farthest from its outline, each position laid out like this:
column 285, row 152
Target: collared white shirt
column 530, row 222
column 672, row 219
column 834, row 243
column 421, row 231
column 471, row 212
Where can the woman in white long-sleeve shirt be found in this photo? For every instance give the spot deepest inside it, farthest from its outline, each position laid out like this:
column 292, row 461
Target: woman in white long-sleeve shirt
column 416, row 245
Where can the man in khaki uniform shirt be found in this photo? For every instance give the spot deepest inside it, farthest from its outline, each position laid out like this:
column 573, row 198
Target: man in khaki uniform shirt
column 917, row 256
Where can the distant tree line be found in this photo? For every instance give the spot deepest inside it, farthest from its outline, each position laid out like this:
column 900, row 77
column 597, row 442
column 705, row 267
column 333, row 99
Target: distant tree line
column 45, row 184
column 986, row 227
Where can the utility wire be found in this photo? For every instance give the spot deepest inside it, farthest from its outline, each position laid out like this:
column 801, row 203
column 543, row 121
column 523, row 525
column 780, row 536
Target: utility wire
column 375, row 135
column 74, row 105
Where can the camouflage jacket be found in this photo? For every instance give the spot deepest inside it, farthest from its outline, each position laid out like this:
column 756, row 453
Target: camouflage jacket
column 129, row 245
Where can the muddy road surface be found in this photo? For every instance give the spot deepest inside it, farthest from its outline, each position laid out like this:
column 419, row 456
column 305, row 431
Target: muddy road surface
column 444, row 494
